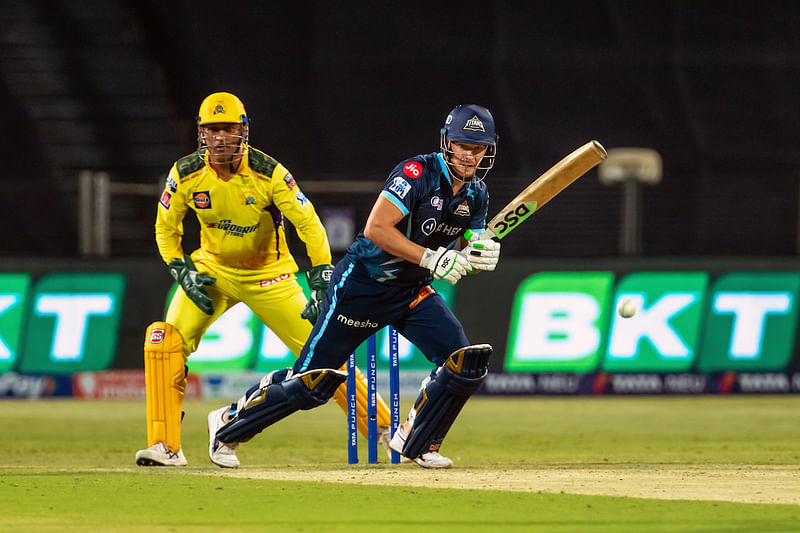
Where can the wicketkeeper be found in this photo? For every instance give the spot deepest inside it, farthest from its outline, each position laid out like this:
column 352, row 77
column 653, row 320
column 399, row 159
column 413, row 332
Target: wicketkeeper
column 240, row 196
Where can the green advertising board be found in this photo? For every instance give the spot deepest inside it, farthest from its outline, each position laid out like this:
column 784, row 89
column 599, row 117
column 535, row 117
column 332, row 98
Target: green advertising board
column 13, row 297
column 558, row 322
column 73, row 323
column 664, row 334
column 751, row 322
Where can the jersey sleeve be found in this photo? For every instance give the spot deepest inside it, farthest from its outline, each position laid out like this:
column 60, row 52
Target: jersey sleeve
column 404, row 185
column 172, row 208
column 293, row 204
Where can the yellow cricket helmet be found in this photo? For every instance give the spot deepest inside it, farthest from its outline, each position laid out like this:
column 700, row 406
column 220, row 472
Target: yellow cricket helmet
column 221, row 108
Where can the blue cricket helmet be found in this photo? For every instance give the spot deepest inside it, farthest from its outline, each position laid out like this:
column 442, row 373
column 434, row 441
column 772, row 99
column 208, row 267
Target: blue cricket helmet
column 472, row 124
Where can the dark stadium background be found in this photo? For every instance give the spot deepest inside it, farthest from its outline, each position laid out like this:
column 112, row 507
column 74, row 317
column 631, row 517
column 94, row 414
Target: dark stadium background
column 343, row 90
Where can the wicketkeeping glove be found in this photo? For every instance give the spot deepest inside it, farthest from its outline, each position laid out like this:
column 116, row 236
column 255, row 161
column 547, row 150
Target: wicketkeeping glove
column 192, row 282
column 483, row 254
column 319, row 277
column 445, row 264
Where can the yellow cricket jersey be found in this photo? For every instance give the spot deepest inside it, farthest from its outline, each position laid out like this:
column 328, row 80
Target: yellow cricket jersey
column 241, row 220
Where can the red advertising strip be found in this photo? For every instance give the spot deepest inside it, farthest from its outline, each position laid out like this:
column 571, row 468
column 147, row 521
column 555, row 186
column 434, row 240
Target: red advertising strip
column 121, row 385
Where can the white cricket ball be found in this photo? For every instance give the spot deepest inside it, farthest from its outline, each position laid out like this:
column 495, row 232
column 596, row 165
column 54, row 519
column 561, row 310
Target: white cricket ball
column 626, row 308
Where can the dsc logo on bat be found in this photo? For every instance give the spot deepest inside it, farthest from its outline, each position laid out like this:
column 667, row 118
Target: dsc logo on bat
column 512, row 218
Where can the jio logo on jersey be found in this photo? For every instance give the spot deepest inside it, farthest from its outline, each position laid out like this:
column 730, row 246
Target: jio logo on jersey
column 429, row 226
column 412, row 169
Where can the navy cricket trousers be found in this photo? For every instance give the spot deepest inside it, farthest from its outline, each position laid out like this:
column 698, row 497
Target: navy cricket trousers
column 356, row 306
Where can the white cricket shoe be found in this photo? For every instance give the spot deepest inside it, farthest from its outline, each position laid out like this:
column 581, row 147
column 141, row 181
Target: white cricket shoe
column 426, row 460
column 433, row 460
column 159, row 454
column 221, row 454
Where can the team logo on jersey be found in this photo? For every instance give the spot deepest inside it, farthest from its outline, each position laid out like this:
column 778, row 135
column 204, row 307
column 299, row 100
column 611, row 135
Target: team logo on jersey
column 166, row 198
column 437, row 203
column 462, row 210
column 428, row 226
column 171, row 184
column 412, row 169
column 400, row 187
column 217, row 110
column 474, row 124
column 202, row 200
column 290, row 183
column 247, row 198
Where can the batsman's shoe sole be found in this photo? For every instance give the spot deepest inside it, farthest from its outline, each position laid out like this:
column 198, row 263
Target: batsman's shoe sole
column 222, row 455
column 160, row 455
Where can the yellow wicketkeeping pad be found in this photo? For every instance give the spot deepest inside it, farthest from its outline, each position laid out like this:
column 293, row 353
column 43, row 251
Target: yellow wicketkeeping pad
column 165, row 379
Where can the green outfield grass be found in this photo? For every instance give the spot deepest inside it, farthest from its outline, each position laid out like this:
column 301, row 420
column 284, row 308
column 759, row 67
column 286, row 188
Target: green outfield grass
column 68, row 465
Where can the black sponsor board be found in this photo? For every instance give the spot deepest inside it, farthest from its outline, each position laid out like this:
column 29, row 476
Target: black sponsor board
column 601, row 383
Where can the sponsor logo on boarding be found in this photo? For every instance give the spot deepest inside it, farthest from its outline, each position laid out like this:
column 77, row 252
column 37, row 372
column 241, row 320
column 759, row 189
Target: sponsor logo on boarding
column 202, row 200
column 437, row 203
column 400, row 187
column 429, row 226
column 268, row 282
column 412, row 169
column 462, row 210
column 474, row 124
column 356, row 323
column 165, row 200
column 173, row 186
column 157, row 336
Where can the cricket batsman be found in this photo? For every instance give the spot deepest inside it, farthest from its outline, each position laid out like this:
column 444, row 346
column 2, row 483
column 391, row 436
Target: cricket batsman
column 412, row 236
column 240, row 196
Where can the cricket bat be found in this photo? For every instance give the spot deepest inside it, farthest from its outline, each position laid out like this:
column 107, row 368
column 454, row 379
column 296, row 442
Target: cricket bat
column 543, row 189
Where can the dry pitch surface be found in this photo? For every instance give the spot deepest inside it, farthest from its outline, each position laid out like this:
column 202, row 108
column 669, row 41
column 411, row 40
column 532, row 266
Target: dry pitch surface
column 750, row 484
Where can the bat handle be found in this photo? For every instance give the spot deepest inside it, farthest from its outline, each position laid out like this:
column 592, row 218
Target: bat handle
column 487, row 234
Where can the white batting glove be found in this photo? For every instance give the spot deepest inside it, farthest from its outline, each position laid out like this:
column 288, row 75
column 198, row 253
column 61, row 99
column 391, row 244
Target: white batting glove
column 445, row 264
column 483, row 254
